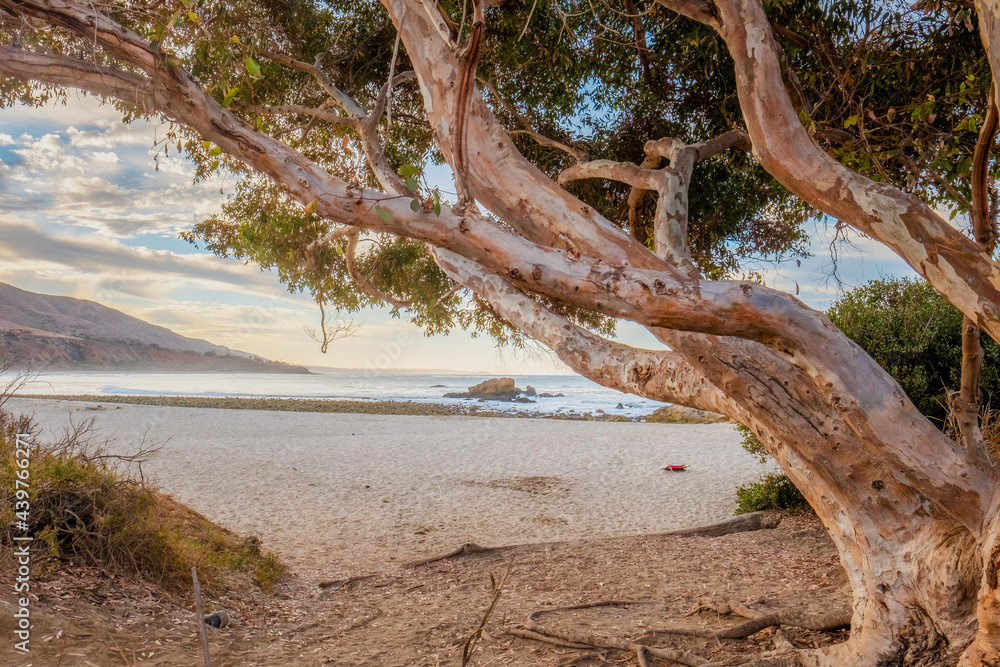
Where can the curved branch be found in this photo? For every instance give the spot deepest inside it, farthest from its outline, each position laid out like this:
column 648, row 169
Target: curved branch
column 658, row 375
column 338, row 96
column 364, row 283
column 541, row 211
column 952, row 263
column 383, row 97
column 540, row 138
column 623, row 172
column 315, row 112
column 58, row 70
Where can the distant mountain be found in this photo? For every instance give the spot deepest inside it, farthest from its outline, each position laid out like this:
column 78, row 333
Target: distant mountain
column 59, row 332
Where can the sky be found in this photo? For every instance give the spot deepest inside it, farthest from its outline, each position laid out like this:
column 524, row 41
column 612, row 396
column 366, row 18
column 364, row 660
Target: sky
column 89, row 210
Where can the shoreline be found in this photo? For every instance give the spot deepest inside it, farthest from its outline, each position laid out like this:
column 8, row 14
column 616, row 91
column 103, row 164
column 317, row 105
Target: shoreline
column 336, row 406
column 338, row 494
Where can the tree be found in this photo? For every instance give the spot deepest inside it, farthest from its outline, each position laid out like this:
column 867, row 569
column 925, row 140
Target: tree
column 748, row 118
column 916, row 336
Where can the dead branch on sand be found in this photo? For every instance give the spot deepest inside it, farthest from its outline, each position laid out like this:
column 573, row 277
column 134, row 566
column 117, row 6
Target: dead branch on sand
column 496, row 589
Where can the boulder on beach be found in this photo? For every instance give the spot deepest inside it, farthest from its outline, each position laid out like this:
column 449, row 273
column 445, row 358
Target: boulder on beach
column 529, row 391
column 678, row 414
column 494, row 389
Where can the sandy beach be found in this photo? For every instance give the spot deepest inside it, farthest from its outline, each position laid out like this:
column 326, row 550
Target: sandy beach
column 339, row 494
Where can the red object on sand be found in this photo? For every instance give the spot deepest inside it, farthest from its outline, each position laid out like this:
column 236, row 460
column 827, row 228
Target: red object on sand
column 677, row 468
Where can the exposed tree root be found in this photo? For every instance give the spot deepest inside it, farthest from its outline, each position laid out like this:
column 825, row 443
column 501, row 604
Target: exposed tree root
column 743, row 523
column 555, row 641
column 758, row 620
column 343, row 583
column 785, row 652
column 464, row 550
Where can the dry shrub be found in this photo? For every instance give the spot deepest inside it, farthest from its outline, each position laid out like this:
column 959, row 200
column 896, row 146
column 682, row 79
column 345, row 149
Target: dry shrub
column 93, row 506
column 989, row 425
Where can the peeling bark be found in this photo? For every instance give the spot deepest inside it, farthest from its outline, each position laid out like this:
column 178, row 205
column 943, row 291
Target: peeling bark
column 914, row 515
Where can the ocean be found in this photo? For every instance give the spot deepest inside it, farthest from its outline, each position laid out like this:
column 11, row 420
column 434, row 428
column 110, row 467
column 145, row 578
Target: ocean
column 579, row 394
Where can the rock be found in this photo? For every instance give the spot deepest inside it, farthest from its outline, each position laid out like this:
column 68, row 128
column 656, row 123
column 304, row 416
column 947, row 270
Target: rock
column 619, row 407
column 529, row 391
column 437, row 385
column 495, row 389
column 524, row 399
column 615, row 418
column 219, row 619
column 678, row 414
column 600, row 411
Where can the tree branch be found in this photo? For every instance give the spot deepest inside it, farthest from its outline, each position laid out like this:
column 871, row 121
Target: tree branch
column 966, row 405
column 364, row 283
column 658, row 375
column 340, row 97
column 315, row 112
column 58, row 70
column 540, row 138
column 623, row 172
column 902, row 222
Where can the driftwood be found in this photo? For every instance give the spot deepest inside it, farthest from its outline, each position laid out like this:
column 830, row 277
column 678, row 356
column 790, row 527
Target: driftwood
column 464, row 550
column 744, row 523
column 342, row 583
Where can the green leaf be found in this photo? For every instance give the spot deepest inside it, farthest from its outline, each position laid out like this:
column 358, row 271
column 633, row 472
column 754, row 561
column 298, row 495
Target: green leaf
column 383, row 213
column 853, row 120
column 194, row 18
column 187, row 3
column 411, row 184
column 311, row 207
column 230, row 96
column 206, row 145
column 415, row 205
column 437, row 209
column 216, row 151
column 408, row 171
column 215, row 165
column 252, row 67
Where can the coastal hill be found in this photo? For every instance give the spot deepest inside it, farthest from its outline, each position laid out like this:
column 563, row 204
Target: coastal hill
column 45, row 332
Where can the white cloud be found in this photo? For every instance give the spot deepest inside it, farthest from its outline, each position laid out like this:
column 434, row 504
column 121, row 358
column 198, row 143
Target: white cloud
column 104, row 177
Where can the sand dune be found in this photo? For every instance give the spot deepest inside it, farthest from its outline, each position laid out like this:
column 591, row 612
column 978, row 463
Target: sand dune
column 340, row 494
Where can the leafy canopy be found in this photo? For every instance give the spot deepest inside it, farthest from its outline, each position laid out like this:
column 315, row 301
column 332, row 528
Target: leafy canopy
column 894, row 92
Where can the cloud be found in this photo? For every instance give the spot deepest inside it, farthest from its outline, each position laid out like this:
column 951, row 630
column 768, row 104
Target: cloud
column 25, row 247
column 105, row 176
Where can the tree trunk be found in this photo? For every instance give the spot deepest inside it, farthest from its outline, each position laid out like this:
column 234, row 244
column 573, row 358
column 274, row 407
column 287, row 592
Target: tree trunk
column 913, row 572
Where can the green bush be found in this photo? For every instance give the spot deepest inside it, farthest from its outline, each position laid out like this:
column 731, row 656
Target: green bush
column 916, row 336
column 772, row 492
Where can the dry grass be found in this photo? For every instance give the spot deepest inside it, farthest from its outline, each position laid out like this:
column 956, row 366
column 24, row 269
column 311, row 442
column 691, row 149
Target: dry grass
column 94, row 506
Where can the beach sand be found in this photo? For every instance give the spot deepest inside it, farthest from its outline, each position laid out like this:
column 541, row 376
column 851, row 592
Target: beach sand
column 340, row 494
